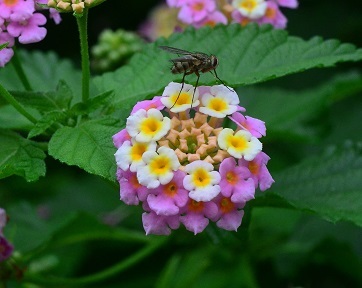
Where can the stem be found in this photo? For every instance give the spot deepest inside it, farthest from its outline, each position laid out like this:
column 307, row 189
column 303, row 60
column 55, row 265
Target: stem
column 20, row 71
column 12, row 101
column 109, row 272
column 83, row 36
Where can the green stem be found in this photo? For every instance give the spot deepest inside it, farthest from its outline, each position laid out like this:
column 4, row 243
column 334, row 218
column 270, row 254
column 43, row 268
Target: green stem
column 83, row 36
column 102, row 275
column 12, row 101
column 20, row 71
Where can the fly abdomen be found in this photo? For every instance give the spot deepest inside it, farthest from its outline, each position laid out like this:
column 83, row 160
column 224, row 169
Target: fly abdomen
column 180, row 67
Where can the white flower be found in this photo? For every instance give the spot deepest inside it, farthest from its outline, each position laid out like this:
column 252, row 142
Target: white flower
column 220, row 102
column 157, row 167
column 253, row 9
column 130, row 153
column 147, row 126
column 242, row 144
column 202, row 181
column 171, row 97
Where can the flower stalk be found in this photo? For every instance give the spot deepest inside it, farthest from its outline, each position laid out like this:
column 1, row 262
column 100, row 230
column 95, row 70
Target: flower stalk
column 82, row 22
column 12, row 101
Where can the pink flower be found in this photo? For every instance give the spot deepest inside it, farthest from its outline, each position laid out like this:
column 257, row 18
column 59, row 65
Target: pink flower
column 29, row 31
column 120, row 137
column 148, row 104
column 255, row 126
column 7, row 7
column 287, row 3
column 176, row 3
column 238, row 18
column 131, row 191
column 55, row 15
column 3, row 220
column 22, row 11
column 196, row 215
column 168, row 199
column 273, row 16
column 229, row 214
column 212, row 19
column 196, row 10
column 259, row 172
column 159, row 224
column 6, row 53
column 236, row 182
column 5, row 249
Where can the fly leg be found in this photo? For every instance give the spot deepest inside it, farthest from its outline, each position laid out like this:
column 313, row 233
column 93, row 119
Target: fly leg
column 197, row 82
column 182, row 87
column 217, row 77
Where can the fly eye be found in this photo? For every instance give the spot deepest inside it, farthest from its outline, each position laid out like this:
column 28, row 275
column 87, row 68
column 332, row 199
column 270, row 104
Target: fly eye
column 214, row 61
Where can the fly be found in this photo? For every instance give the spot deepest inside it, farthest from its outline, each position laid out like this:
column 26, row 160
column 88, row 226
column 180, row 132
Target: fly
column 192, row 62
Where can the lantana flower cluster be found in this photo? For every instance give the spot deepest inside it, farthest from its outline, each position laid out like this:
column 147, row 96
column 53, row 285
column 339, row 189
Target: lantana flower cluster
column 210, row 12
column 176, row 158
column 22, row 20
column 6, row 249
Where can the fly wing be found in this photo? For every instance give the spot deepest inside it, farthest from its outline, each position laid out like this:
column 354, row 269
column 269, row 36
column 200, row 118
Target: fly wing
column 186, row 58
column 175, row 50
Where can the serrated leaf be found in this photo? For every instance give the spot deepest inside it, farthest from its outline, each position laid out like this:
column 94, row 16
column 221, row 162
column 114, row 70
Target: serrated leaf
column 58, row 100
column 102, row 100
column 329, row 185
column 88, row 146
column 19, row 156
column 45, row 122
column 247, row 55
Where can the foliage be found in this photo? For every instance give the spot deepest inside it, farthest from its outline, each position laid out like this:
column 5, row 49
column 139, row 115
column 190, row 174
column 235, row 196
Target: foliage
column 310, row 221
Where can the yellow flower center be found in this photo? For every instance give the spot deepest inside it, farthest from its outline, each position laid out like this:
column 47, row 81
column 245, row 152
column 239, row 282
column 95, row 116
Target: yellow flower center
column 248, row 5
column 238, row 143
column 137, row 150
column 150, row 126
column 160, row 165
column 184, row 98
column 217, row 104
column 201, row 178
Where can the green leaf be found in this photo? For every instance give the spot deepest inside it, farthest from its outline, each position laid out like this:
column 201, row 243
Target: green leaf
column 100, row 101
column 288, row 113
column 58, row 100
column 29, row 230
column 329, row 185
column 88, row 146
column 10, row 118
column 19, row 156
column 45, row 122
column 247, row 55
column 4, row 45
column 44, row 70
